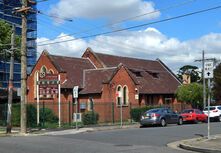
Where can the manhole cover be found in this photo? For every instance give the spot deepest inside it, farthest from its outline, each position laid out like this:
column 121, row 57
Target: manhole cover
column 123, row 145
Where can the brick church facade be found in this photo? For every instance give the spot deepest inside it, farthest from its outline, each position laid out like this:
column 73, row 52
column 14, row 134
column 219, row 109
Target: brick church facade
column 105, row 79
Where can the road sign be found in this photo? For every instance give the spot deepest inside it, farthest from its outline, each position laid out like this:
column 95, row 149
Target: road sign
column 75, row 92
column 208, row 70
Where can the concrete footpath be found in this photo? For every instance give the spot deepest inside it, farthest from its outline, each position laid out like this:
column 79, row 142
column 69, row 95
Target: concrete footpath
column 62, row 131
column 202, row 144
column 81, row 130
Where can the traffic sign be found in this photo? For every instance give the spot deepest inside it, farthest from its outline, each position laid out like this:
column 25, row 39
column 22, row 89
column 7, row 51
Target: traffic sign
column 75, row 92
column 208, row 70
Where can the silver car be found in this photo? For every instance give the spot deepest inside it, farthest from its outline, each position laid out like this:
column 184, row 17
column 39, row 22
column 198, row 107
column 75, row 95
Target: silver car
column 161, row 116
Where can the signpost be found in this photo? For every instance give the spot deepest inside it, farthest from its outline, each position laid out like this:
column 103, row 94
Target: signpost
column 208, row 74
column 75, row 96
column 48, row 85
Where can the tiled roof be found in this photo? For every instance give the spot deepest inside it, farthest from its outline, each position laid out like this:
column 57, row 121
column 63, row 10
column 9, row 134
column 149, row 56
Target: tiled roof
column 152, row 76
column 111, row 61
column 94, row 79
column 73, row 67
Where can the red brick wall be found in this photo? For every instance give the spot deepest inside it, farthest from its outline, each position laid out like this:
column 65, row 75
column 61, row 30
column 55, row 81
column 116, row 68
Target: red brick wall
column 105, row 100
column 66, row 95
column 94, row 60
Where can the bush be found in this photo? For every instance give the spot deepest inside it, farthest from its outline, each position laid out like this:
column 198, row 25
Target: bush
column 31, row 115
column 137, row 112
column 47, row 115
column 90, row 118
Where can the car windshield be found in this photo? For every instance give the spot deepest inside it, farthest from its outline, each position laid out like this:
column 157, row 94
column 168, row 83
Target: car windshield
column 188, row 111
column 211, row 108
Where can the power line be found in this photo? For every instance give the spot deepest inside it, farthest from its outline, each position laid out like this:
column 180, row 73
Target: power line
column 137, row 26
column 53, row 16
column 127, row 19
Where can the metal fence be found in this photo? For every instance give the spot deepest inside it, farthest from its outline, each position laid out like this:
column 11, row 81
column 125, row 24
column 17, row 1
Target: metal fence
column 102, row 113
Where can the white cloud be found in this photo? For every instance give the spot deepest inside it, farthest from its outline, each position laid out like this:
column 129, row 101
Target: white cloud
column 111, row 9
column 71, row 48
column 147, row 44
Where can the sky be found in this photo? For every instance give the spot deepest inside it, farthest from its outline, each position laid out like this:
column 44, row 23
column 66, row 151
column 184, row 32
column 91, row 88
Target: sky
column 176, row 42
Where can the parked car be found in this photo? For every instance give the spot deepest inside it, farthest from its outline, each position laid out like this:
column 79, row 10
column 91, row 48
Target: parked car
column 193, row 115
column 215, row 112
column 160, row 116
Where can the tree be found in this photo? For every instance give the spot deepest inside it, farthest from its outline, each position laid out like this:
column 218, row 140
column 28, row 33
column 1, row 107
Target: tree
column 191, row 70
column 217, row 83
column 192, row 94
column 5, row 38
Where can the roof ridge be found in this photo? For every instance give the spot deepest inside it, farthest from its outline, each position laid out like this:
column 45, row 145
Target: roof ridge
column 99, row 69
column 72, row 57
column 126, row 57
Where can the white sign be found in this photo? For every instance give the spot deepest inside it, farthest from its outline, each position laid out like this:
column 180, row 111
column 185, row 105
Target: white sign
column 208, row 70
column 75, row 92
column 77, row 117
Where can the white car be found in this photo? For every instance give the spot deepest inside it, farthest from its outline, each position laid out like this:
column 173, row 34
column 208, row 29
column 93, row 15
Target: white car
column 215, row 112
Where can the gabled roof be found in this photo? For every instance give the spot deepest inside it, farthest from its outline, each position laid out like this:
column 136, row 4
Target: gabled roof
column 111, row 61
column 153, row 76
column 95, row 78
column 73, row 67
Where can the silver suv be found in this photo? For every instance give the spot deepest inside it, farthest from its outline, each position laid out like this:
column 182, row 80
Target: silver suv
column 215, row 112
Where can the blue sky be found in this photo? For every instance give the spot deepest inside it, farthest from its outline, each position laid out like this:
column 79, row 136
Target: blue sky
column 176, row 42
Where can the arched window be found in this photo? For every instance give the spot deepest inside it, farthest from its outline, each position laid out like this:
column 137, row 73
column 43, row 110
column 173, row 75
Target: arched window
column 119, row 93
column 43, row 71
column 125, row 95
column 51, row 71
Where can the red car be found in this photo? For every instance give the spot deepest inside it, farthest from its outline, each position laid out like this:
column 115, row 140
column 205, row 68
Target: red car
column 193, row 115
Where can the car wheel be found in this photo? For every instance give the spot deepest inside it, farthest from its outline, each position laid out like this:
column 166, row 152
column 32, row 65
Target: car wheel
column 163, row 122
column 206, row 120
column 196, row 121
column 180, row 121
column 220, row 118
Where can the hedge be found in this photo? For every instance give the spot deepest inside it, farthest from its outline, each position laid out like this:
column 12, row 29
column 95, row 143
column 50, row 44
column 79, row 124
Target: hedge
column 137, row 112
column 89, row 118
column 45, row 116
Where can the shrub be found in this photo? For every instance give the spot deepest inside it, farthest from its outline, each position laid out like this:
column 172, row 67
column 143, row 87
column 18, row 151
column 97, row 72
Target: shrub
column 137, row 112
column 90, row 118
column 47, row 115
column 31, row 115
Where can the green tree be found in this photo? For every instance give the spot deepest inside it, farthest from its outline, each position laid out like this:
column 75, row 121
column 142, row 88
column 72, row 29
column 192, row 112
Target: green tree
column 191, row 70
column 192, row 94
column 5, row 38
column 217, row 83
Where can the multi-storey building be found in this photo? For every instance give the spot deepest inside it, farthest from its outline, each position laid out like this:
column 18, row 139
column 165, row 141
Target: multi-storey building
column 4, row 74
column 7, row 8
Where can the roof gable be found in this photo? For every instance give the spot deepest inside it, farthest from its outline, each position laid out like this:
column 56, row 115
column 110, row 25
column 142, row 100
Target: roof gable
column 73, row 67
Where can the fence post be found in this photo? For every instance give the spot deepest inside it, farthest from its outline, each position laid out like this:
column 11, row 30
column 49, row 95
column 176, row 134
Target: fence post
column 130, row 114
column 43, row 114
column 69, row 112
column 112, row 106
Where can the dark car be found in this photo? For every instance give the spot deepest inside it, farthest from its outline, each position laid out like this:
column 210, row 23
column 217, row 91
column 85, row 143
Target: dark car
column 161, row 116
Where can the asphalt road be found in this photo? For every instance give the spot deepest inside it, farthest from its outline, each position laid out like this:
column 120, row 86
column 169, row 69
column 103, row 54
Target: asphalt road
column 136, row 140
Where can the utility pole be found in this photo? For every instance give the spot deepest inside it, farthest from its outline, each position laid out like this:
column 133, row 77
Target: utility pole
column 10, row 83
column 204, row 81
column 203, row 69
column 24, row 10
